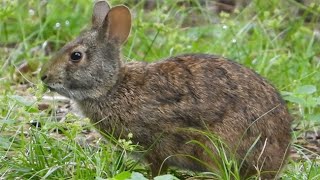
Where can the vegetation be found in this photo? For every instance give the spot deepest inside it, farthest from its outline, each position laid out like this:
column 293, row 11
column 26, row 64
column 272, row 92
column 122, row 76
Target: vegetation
column 41, row 139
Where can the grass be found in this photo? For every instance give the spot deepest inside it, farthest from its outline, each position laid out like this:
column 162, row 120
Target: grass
column 276, row 38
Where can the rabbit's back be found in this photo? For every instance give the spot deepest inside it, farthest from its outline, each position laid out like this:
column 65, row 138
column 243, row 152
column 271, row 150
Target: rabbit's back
column 157, row 101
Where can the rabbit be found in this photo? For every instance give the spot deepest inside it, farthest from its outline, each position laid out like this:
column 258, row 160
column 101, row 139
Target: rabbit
column 166, row 103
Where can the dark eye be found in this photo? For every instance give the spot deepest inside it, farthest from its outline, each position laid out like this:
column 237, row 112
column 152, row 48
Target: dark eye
column 76, row 56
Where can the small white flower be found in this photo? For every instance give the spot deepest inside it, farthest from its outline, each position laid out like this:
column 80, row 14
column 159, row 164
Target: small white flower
column 67, row 23
column 32, row 12
column 234, row 40
column 224, row 27
column 57, row 26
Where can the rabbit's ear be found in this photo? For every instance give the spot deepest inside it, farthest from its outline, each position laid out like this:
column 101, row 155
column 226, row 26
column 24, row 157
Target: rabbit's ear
column 100, row 11
column 117, row 24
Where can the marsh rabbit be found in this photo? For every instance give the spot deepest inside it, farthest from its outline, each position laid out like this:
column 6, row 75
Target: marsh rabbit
column 167, row 103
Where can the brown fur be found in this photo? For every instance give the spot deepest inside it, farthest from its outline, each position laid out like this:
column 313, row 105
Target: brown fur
column 159, row 102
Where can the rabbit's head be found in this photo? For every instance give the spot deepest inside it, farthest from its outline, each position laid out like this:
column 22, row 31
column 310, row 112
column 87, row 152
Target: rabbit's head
column 88, row 66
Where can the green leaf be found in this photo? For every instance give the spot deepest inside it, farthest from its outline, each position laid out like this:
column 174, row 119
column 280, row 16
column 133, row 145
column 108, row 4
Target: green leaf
column 166, row 177
column 8, row 121
column 295, row 99
column 317, row 100
column 306, row 89
column 286, row 93
column 314, row 117
column 122, row 176
column 5, row 143
column 137, row 176
column 22, row 100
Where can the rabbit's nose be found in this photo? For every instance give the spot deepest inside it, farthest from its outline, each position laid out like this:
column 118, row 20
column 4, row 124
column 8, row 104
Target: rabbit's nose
column 44, row 77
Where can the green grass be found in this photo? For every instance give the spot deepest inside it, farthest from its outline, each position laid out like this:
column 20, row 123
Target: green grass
column 267, row 36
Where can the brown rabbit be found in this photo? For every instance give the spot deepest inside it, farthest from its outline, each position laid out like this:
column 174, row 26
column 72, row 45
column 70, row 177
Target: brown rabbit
column 158, row 102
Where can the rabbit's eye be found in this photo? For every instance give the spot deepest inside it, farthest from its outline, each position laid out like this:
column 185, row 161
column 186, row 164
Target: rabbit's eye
column 75, row 56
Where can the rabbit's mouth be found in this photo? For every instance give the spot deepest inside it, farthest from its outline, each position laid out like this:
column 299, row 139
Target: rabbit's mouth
column 51, row 88
column 54, row 86
column 62, row 90
column 57, row 87
column 46, row 87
